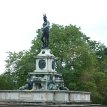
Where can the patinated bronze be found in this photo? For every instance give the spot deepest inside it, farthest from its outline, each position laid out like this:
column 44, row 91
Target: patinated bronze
column 45, row 32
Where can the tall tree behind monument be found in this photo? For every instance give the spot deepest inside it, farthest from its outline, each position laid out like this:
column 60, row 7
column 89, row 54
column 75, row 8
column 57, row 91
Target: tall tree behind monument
column 66, row 42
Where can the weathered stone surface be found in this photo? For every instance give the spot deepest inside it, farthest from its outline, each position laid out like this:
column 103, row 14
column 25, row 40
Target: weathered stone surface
column 46, row 96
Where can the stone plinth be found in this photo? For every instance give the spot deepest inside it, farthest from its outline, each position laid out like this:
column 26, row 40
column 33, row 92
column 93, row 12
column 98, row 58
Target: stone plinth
column 45, row 96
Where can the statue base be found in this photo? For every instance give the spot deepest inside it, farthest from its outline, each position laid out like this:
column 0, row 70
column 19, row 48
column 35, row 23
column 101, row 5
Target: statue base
column 47, row 87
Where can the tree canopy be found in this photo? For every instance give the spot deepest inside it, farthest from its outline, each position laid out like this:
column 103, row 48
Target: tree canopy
column 81, row 61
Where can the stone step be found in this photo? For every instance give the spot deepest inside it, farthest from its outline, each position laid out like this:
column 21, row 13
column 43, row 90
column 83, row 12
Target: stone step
column 38, row 105
column 35, row 104
column 30, row 104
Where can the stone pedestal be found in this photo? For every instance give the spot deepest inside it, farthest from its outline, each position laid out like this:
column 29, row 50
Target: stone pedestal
column 45, row 86
column 45, row 77
column 47, row 97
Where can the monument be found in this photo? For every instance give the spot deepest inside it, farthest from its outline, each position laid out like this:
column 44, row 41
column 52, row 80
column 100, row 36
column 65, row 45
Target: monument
column 45, row 86
column 45, row 77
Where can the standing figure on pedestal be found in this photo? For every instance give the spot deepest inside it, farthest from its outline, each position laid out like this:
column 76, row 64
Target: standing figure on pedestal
column 45, row 34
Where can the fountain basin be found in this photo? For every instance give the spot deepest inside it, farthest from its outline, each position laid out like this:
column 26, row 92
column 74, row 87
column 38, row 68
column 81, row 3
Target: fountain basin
column 42, row 96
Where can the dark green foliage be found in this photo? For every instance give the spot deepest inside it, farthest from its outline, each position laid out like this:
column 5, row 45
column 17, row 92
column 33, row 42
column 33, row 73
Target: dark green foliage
column 81, row 61
column 6, row 82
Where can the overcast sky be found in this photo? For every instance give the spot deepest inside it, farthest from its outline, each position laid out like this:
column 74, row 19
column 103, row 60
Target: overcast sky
column 19, row 20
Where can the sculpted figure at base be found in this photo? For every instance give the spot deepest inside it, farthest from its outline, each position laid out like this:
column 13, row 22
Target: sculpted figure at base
column 45, row 32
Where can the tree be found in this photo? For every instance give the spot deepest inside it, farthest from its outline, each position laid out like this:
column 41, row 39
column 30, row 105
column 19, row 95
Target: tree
column 79, row 59
column 6, row 82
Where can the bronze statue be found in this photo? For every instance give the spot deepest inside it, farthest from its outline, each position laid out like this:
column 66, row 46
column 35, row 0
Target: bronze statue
column 45, row 34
